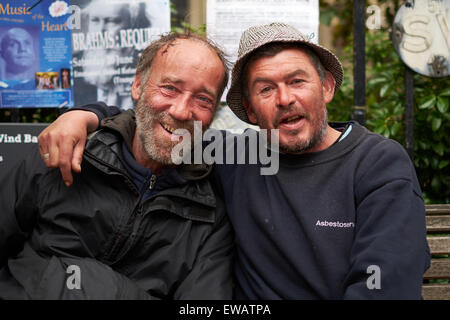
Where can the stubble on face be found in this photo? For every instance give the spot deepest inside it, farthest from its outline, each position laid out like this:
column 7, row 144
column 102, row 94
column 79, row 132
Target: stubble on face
column 318, row 125
column 157, row 147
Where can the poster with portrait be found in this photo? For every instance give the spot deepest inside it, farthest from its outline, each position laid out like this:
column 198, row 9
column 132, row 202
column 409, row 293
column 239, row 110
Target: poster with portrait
column 35, row 54
column 107, row 45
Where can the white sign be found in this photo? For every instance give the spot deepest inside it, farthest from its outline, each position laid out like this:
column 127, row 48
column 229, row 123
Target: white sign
column 227, row 19
column 421, row 36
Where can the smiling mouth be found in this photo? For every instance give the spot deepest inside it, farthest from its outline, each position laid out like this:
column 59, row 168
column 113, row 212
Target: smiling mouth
column 291, row 120
column 169, row 129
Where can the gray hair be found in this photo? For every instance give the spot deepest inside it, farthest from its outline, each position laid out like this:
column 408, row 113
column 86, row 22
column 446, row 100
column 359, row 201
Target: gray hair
column 149, row 53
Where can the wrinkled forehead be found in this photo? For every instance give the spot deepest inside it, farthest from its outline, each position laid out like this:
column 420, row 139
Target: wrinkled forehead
column 266, row 53
column 189, row 51
column 191, row 60
column 18, row 35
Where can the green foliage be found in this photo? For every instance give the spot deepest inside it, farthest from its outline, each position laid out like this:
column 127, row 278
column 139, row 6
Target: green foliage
column 181, row 26
column 385, row 100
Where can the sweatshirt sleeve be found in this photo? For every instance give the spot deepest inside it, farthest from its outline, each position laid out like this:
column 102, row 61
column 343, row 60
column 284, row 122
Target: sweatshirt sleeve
column 100, row 109
column 390, row 252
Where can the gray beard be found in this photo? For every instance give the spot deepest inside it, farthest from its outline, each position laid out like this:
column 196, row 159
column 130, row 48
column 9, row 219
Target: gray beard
column 316, row 139
column 146, row 119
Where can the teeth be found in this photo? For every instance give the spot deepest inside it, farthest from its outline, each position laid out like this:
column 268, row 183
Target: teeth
column 291, row 118
column 168, row 128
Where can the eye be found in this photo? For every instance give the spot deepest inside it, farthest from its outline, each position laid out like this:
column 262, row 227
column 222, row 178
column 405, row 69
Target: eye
column 265, row 89
column 168, row 89
column 205, row 99
column 13, row 44
column 205, row 102
column 297, row 81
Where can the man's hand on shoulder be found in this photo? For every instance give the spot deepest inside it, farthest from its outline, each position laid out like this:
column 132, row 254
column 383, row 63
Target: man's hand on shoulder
column 61, row 144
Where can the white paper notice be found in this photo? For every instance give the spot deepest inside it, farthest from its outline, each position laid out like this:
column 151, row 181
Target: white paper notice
column 227, row 19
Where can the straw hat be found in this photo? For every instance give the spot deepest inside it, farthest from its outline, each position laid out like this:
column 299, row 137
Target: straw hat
column 257, row 36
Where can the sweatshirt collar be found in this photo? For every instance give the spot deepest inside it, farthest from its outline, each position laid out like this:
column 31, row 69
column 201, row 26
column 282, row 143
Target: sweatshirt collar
column 334, row 151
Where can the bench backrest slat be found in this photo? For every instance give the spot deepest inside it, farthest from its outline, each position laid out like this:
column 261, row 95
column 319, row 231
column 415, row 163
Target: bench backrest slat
column 438, row 236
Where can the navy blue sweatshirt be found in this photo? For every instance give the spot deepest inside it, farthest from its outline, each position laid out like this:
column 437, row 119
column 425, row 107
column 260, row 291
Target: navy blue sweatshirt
column 320, row 227
column 347, row 222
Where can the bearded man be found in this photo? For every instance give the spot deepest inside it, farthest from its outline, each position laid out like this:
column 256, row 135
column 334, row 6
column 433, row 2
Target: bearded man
column 133, row 225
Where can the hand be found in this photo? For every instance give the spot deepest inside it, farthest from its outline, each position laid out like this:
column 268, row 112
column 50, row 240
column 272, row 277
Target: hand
column 62, row 143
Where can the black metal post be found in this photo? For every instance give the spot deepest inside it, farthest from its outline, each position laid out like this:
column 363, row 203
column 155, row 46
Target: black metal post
column 409, row 111
column 359, row 71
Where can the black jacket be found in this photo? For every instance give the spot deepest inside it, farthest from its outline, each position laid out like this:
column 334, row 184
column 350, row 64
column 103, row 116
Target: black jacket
column 177, row 244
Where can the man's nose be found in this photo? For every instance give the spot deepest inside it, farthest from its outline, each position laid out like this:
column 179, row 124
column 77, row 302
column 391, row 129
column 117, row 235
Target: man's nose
column 23, row 47
column 101, row 25
column 180, row 109
column 285, row 96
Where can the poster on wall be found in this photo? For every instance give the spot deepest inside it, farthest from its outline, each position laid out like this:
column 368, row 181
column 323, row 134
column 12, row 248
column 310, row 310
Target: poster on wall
column 107, row 45
column 35, row 54
column 227, row 19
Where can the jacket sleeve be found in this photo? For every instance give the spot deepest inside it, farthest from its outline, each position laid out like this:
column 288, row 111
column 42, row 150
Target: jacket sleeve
column 45, row 277
column 68, row 278
column 18, row 208
column 210, row 278
column 390, row 252
column 100, row 109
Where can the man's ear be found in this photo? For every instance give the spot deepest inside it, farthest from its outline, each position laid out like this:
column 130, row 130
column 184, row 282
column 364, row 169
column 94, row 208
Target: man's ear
column 329, row 84
column 250, row 114
column 136, row 88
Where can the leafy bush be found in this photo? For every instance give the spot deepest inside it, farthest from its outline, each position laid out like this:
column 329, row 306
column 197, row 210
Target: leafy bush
column 385, row 100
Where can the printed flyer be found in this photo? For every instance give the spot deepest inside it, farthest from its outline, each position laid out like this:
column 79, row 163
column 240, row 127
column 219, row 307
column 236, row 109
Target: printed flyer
column 35, row 54
column 107, row 44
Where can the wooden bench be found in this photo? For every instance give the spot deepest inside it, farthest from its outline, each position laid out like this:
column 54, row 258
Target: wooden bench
column 437, row 278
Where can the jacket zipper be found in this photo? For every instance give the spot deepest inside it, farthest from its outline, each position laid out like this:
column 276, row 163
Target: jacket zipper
column 137, row 221
column 139, row 214
column 152, row 182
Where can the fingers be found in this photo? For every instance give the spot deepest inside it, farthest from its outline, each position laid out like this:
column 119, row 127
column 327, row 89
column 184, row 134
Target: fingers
column 78, row 156
column 43, row 150
column 57, row 151
column 61, row 144
column 47, row 149
column 64, row 161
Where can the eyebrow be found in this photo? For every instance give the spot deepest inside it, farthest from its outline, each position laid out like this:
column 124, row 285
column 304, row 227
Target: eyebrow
column 296, row 73
column 289, row 75
column 179, row 81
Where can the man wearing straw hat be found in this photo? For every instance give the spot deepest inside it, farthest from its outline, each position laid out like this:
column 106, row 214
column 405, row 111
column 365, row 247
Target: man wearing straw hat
column 343, row 218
